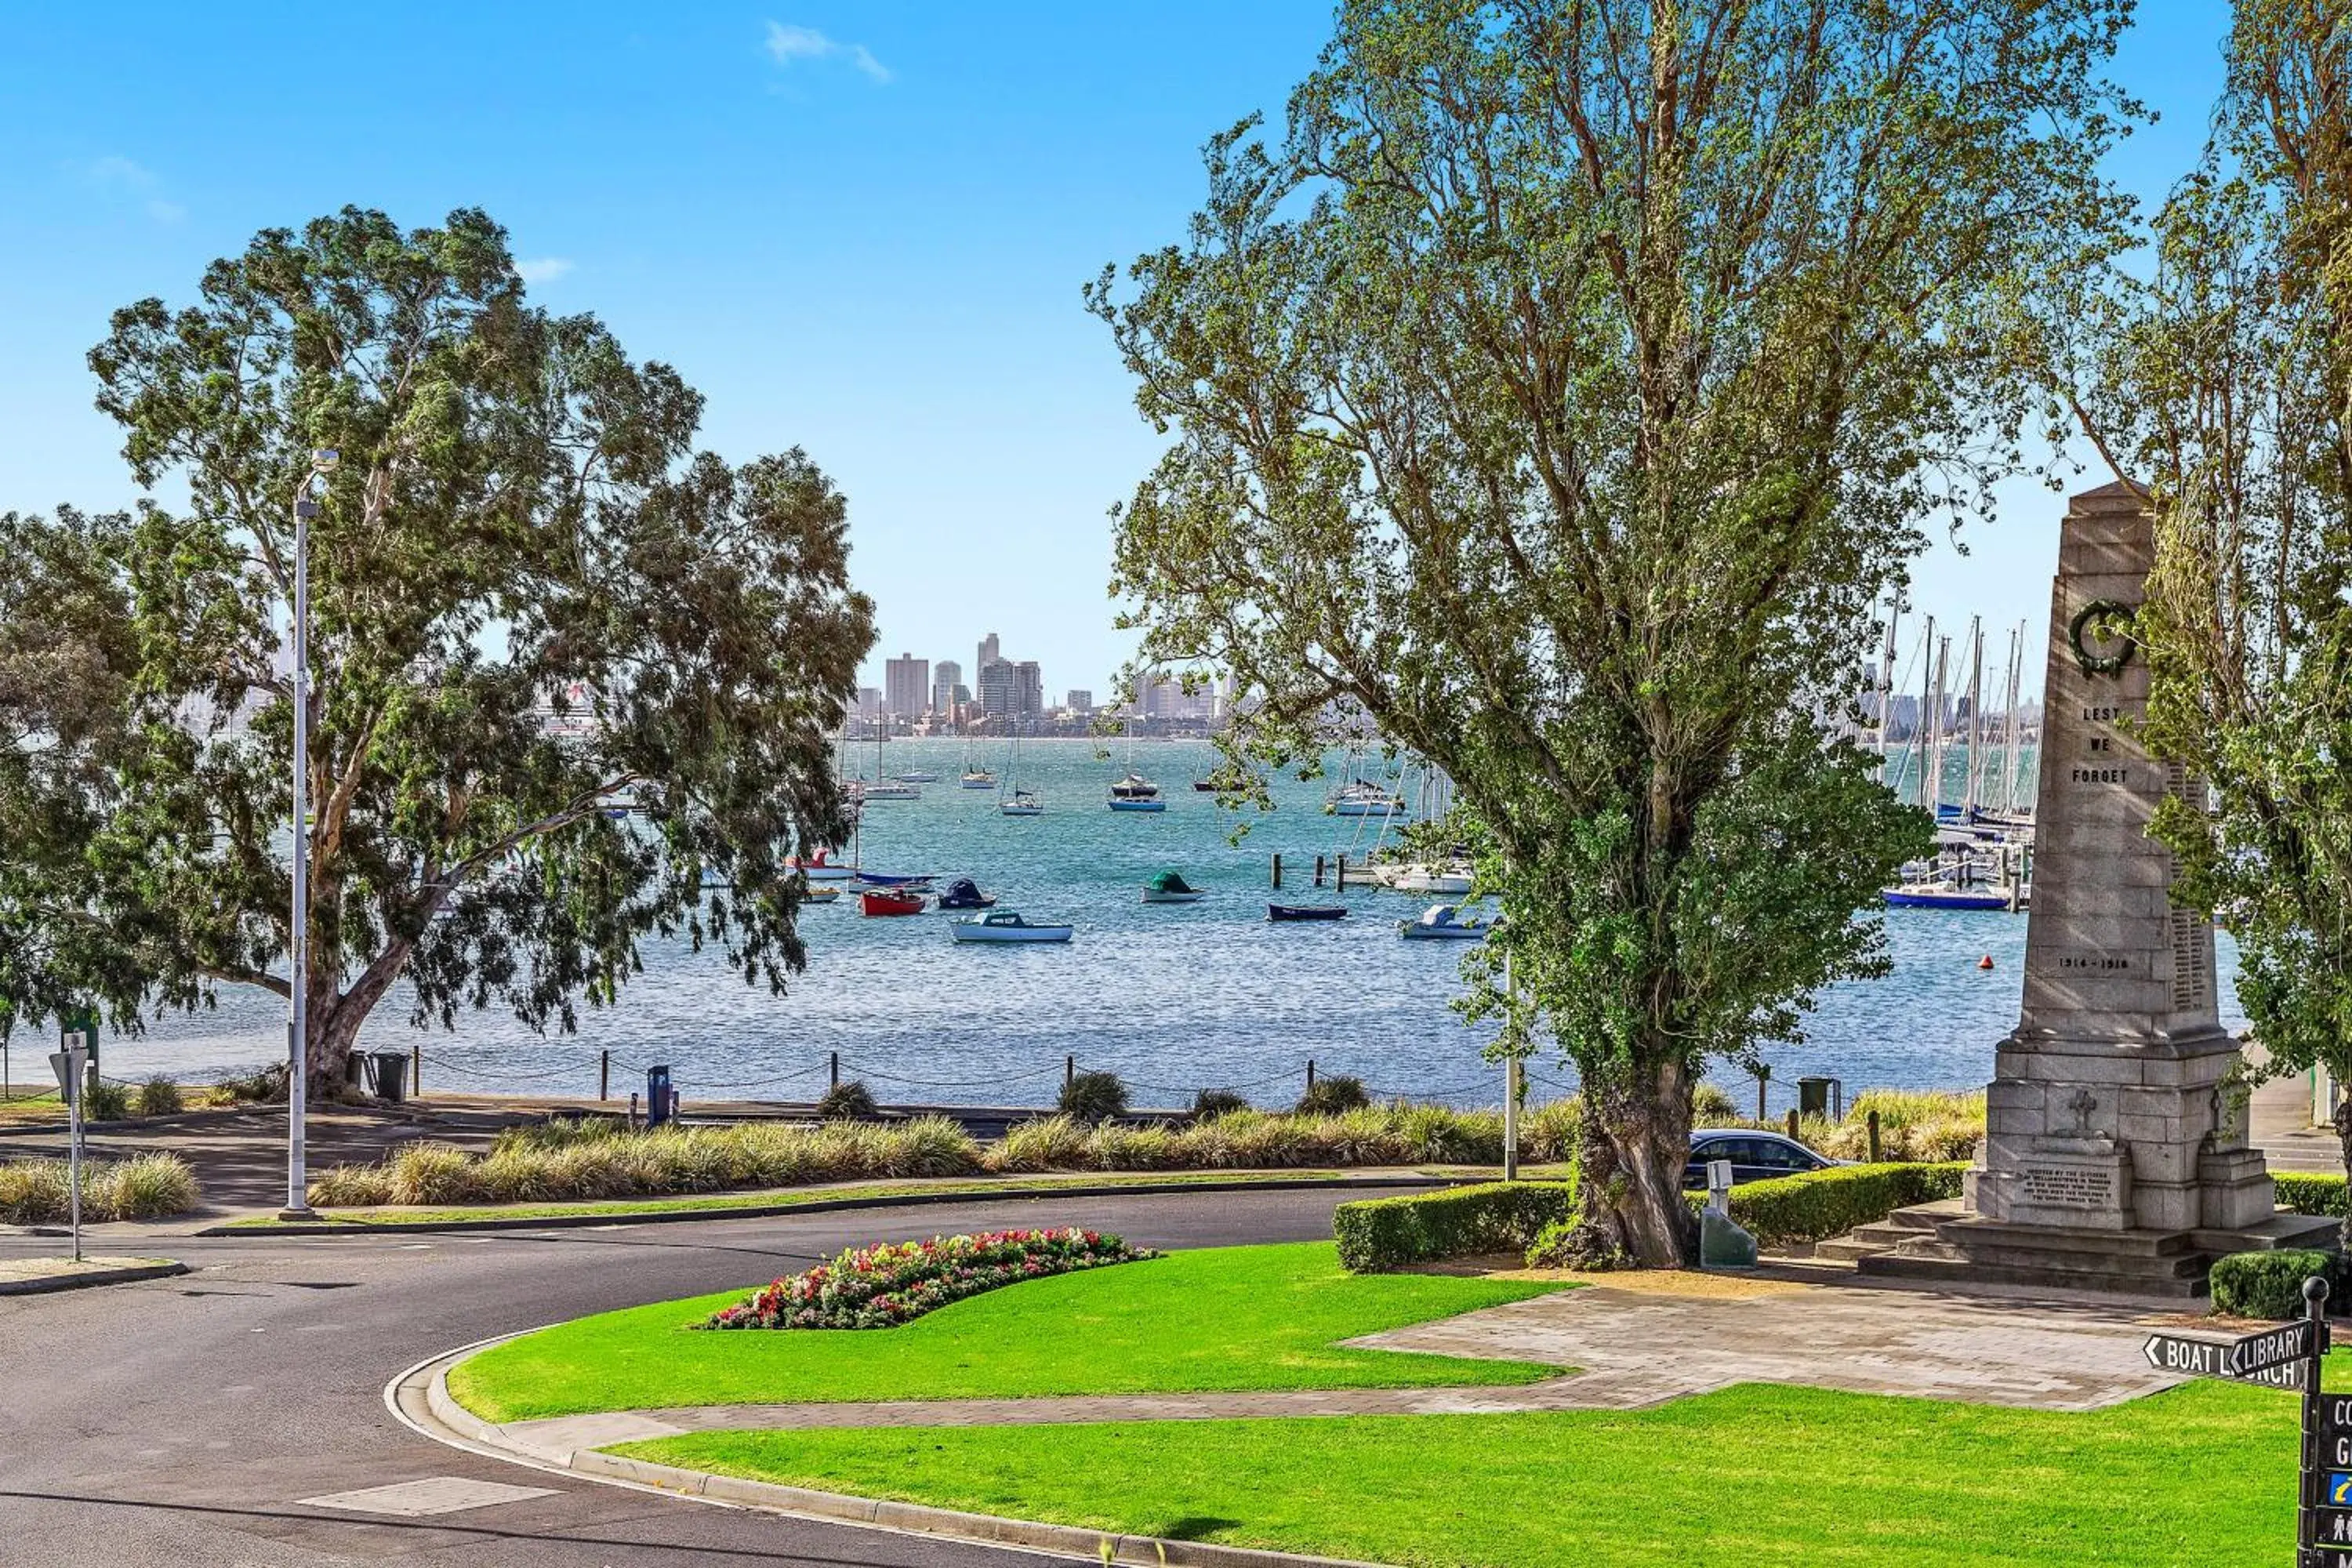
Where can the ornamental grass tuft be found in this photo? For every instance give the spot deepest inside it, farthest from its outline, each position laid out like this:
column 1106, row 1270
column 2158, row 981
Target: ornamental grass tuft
column 150, row 1187
column 885, row 1286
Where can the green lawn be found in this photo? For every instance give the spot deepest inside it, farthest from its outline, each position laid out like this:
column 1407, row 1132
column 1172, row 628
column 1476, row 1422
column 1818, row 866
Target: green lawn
column 2201, row 1477
column 1225, row 1317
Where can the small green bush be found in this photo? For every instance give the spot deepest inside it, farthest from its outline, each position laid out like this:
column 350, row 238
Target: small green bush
column 159, row 1096
column 2269, row 1284
column 1711, row 1106
column 262, row 1085
column 1092, row 1097
column 1333, row 1095
column 2311, row 1192
column 105, row 1101
column 1421, row 1228
column 1822, row 1204
column 1548, row 1132
column 1211, row 1103
column 851, row 1102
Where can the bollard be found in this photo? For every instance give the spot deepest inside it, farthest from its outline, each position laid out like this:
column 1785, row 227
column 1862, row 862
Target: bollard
column 834, row 1077
column 1871, row 1126
column 416, row 1070
column 1277, row 873
column 1069, row 1071
column 1763, row 1075
column 1318, row 870
column 603, row 1076
column 1310, row 1075
column 1342, row 883
column 1793, row 1124
column 633, row 1109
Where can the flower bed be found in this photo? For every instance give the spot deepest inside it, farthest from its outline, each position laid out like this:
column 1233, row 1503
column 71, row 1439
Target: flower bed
column 882, row 1287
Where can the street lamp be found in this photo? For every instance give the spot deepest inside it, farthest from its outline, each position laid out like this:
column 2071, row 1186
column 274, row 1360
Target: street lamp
column 297, row 1031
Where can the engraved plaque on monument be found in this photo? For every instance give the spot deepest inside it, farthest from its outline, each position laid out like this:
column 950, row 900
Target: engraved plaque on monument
column 2106, row 1109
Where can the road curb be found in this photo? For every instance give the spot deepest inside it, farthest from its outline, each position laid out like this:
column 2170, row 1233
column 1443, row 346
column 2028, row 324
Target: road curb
column 90, row 1279
column 836, row 1205
column 420, row 1397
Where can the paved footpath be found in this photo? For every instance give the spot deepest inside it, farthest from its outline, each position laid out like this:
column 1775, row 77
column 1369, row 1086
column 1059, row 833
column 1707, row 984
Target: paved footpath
column 1631, row 1348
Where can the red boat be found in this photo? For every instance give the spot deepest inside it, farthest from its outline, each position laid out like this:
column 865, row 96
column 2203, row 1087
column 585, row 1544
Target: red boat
column 887, row 902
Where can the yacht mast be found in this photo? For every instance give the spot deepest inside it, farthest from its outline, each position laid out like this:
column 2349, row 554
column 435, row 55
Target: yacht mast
column 1976, row 717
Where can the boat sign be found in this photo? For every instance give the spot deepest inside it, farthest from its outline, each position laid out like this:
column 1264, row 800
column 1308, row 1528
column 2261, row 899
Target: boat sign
column 2273, row 1358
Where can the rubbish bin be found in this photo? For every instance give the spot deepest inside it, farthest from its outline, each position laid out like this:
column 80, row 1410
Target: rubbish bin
column 1823, row 1096
column 390, row 1074
column 356, row 1070
column 661, row 1100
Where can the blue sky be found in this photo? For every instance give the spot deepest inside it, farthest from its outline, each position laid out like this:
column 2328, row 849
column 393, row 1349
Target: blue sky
column 862, row 229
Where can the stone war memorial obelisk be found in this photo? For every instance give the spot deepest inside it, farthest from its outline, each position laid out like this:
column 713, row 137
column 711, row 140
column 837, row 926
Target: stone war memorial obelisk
column 2114, row 1155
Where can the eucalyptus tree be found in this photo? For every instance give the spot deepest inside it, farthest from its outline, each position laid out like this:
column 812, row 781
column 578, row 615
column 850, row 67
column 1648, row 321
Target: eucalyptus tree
column 1561, row 389
column 2226, row 386
column 572, row 680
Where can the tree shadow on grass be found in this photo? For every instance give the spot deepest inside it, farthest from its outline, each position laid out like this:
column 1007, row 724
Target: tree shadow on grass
column 1196, row 1527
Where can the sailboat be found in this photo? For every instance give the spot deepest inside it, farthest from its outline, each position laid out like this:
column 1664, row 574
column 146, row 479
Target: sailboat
column 975, row 776
column 881, row 787
column 1135, row 792
column 1016, row 801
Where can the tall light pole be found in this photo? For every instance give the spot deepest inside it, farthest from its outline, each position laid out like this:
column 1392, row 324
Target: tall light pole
column 297, row 1030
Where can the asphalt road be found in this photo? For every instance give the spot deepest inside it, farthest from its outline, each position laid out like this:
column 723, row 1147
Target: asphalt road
column 183, row 1421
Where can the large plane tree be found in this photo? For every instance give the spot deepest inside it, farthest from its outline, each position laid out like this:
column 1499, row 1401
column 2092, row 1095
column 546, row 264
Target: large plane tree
column 572, row 680
column 1559, row 392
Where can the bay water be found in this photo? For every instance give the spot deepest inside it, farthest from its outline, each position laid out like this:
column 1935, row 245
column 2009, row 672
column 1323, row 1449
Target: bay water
column 1172, row 998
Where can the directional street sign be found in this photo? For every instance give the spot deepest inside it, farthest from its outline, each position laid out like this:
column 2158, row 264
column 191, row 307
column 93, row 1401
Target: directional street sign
column 69, row 1067
column 2273, row 1358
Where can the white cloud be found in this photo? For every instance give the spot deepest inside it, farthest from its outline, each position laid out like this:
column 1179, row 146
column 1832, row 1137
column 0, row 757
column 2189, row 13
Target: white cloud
column 788, row 43
column 123, row 179
column 543, row 269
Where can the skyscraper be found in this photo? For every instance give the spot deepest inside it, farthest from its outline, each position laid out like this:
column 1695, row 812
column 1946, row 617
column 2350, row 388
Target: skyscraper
column 997, row 686
column 1028, row 691
column 988, row 656
column 905, row 685
column 946, row 676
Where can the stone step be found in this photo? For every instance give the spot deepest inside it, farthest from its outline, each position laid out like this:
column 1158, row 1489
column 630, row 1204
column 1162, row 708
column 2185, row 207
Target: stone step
column 1923, row 1216
column 2169, row 1265
column 1850, row 1248
column 1970, row 1231
column 1906, row 1264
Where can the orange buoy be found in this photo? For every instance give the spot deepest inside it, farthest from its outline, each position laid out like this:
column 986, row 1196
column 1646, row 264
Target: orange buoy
column 1985, row 962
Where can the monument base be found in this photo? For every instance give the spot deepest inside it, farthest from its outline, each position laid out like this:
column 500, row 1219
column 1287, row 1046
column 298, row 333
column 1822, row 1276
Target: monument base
column 1971, row 1248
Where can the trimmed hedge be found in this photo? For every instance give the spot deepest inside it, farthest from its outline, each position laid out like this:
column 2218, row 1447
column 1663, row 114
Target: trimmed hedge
column 1423, row 1227
column 2270, row 1284
column 2311, row 1192
column 1819, row 1205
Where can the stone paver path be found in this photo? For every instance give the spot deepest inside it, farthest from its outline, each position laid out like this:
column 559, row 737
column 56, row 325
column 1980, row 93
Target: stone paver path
column 1632, row 1349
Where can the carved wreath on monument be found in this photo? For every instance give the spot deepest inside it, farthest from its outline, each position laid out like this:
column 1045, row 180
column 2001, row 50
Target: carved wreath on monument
column 2101, row 637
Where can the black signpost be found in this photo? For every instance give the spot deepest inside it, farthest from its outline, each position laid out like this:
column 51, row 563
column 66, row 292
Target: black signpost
column 2289, row 1356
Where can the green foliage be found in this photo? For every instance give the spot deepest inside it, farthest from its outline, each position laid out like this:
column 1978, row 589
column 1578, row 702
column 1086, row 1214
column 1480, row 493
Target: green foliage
column 1092, row 1097
column 1818, row 1205
column 2222, row 377
column 1379, row 1234
column 159, row 1096
column 1211, row 1103
column 2270, row 1284
column 1333, row 1094
column 1712, row 1106
column 851, row 1102
column 518, row 517
column 1560, row 395
column 104, row 1099
column 262, row 1085
column 2312, row 1193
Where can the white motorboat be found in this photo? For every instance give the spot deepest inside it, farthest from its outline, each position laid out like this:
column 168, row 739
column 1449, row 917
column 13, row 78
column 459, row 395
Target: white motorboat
column 1445, row 922
column 1005, row 925
column 862, row 790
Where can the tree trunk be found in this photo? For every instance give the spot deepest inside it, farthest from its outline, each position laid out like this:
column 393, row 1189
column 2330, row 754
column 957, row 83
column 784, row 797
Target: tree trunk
column 2342, row 1122
column 1636, row 1143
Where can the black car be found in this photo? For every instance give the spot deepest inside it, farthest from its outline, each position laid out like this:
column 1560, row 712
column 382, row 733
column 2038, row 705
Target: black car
column 1754, row 1156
